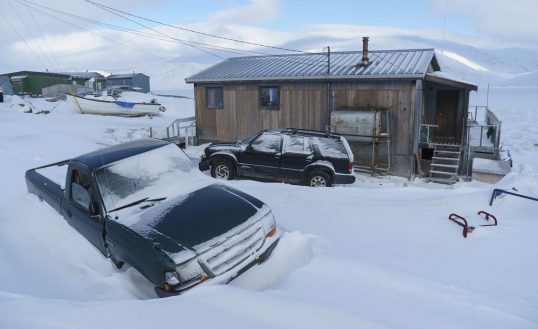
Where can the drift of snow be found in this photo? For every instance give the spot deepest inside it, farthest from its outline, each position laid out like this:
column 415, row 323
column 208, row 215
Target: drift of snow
column 380, row 253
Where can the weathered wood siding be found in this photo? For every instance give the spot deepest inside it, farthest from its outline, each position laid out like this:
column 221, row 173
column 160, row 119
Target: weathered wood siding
column 303, row 105
column 399, row 98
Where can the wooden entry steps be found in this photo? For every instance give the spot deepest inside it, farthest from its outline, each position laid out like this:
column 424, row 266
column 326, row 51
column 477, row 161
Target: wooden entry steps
column 445, row 163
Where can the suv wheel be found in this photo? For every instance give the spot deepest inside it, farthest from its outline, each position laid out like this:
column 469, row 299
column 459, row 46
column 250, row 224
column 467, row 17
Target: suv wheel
column 222, row 169
column 318, row 178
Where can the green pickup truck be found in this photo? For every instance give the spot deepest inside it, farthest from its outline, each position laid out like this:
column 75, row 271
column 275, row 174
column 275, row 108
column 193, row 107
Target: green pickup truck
column 143, row 203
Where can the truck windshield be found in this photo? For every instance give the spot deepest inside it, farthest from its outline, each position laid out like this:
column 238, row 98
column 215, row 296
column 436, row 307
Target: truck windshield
column 153, row 174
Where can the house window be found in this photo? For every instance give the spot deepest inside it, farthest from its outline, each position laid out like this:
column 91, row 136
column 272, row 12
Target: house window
column 269, row 97
column 214, row 98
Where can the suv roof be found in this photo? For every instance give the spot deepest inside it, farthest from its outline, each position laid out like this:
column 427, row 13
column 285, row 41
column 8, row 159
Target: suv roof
column 304, row 132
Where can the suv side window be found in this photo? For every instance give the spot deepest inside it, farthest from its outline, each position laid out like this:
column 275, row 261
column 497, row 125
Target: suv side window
column 268, row 143
column 295, row 144
column 80, row 189
column 329, row 147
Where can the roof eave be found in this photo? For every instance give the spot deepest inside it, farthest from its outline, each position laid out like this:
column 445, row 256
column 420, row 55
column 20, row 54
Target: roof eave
column 419, row 76
column 450, row 82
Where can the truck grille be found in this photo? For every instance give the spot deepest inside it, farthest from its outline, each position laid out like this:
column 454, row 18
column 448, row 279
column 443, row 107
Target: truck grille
column 230, row 253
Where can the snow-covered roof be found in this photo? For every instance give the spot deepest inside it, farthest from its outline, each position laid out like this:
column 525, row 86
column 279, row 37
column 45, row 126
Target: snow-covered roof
column 385, row 64
column 21, row 73
column 123, row 76
column 85, row 75
column 442, row 77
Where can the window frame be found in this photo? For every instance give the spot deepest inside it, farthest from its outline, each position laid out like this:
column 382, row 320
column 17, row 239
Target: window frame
column 272, row 107
column 207, row 97
column 267, row 134
column 306, row 149
column 80, row 172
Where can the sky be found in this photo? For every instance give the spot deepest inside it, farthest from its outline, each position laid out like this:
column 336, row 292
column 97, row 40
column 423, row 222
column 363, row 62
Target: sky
column 36, row 37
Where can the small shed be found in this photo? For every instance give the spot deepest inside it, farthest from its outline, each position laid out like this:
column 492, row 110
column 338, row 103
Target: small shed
column 32, row 82
column 129, row 81
column 5, row 85
column 403, row 90
column 92, row 80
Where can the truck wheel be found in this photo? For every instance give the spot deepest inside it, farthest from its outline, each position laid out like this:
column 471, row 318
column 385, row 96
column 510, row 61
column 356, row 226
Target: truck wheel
column 319, row 178
column 222, row 169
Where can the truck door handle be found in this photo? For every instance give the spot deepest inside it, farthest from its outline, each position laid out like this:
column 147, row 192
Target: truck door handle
column 68, row 213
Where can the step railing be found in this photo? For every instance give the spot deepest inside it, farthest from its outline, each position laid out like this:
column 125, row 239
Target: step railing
column 481, row 118
column 181, row 128
column 427, row 133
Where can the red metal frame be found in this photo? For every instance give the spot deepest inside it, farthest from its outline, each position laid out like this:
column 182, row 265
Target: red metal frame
column 466, row 228
column 488, row 215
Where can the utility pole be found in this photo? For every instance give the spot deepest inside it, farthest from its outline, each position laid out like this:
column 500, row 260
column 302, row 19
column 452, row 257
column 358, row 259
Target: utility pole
column 328, row 60
column 328, row 91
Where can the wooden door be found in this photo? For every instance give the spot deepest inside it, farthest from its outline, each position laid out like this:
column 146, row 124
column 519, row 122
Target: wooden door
column 447, row 109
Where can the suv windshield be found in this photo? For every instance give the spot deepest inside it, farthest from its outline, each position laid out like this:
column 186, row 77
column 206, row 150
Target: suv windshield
column 153, row 174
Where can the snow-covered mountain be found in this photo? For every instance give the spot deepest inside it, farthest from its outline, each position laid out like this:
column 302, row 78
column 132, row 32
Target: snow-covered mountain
column 498, row 67
column 171, row 75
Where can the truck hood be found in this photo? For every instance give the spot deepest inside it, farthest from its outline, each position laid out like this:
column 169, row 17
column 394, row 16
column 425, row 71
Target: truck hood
column 186, row 222
column 223, row 147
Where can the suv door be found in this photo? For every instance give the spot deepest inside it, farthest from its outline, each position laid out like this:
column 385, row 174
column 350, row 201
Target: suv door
column 79, row 206
column 296, row 155
column 261, row 157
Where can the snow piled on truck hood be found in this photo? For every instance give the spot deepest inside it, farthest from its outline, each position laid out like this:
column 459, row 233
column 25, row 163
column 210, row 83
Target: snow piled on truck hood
column 380, row 253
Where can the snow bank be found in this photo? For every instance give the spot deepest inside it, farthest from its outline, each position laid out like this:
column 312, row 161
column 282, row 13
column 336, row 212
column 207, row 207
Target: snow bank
column 379, row 253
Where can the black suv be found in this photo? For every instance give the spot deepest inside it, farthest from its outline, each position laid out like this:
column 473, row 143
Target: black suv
column 313, row 158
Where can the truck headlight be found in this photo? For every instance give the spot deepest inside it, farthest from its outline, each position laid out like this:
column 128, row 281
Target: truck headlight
column 189, row 270
column 170, row 280
column 269, row 226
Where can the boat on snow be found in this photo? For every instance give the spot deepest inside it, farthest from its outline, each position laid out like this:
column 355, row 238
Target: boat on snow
column 119, row 108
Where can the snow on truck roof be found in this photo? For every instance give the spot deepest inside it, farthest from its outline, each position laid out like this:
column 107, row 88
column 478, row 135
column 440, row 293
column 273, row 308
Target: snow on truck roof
column 118, row 152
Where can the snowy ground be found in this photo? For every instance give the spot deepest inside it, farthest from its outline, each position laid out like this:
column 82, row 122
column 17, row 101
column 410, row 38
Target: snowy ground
column 377, row 254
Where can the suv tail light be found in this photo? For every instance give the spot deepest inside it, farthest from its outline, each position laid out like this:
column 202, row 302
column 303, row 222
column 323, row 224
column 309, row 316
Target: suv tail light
column 350, row 167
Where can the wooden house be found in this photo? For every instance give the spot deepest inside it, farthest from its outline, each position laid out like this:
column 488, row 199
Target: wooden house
column 413, row 106
column 133, row 80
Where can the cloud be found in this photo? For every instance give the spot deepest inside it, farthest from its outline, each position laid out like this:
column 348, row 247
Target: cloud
column 505, row 22
column 117, row 51
column 257, row 11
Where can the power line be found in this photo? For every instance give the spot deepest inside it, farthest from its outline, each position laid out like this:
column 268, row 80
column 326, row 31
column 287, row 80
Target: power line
column 44, row 38
column 46, row 59
column 194, row 31
column 115, row 12
column 164, row 37
column 159, row 32
column 140, row 33
column 111, row 10
column 23, row 39
column 168, row 38
column 99, row 35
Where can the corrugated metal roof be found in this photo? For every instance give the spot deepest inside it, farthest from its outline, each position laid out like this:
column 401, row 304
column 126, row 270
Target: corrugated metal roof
column 123, row 76
column 85, row 75
column 410, row 63
column 50, row 74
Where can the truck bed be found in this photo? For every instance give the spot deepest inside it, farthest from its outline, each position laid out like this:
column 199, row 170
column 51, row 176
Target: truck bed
column 48, row 188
